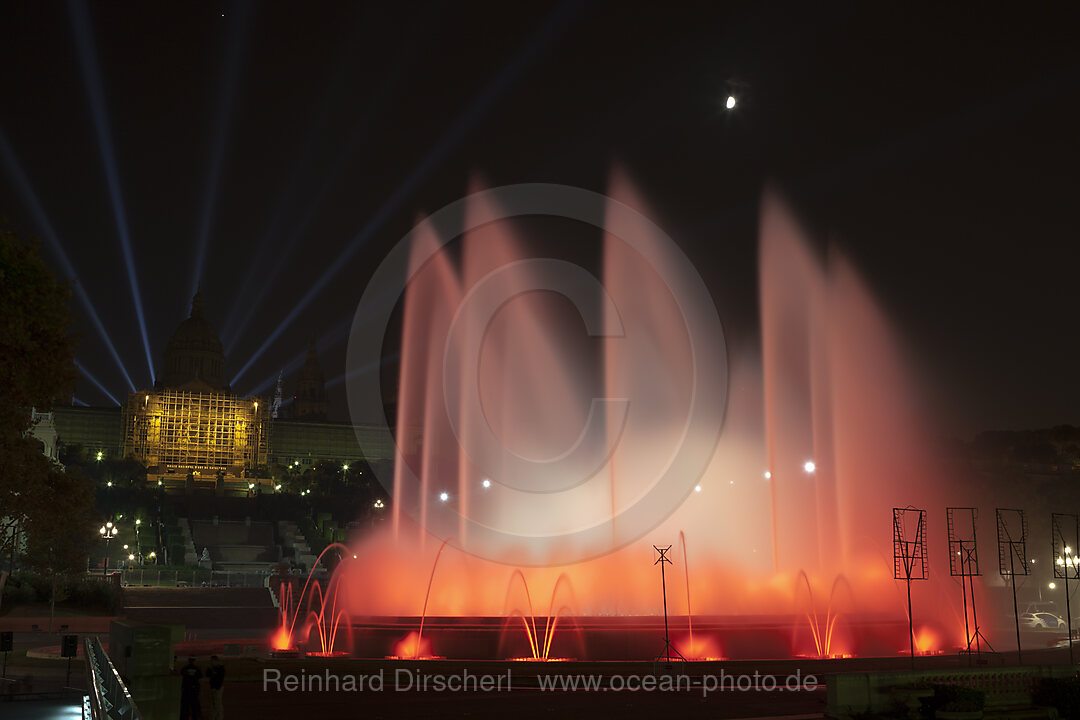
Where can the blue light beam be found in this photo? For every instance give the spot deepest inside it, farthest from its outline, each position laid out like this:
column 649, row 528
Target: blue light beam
column 545, row 34
column 249, row 299
column 84, row 41
column 226, row 93
column 33, row 204
column 328, row 340
column 364, row 370
column 94, row 380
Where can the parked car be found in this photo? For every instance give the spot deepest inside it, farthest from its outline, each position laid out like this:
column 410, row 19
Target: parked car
column 1042, row 621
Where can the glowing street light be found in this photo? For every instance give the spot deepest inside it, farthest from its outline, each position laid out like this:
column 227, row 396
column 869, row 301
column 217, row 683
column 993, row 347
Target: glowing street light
column 345, row 467
column 277, row 487
column 486, row 483
column 131, row 556
column 444, row 496
column 1052, row 585
column 108, row 531
column 100, row 455
column 379, row 504
column 697, row 488
column 809, row 467
column 768, row 475
column 730, row 104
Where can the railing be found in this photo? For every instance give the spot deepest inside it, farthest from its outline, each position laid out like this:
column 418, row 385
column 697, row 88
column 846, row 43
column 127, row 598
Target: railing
column 109, row 697
column 196, row 577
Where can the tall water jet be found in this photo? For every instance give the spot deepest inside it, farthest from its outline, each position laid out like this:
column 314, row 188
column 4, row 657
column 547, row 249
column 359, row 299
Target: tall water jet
column 427, row 595
column 429, row 301
column 651, row 362
column 686, row 575
column 830, row 388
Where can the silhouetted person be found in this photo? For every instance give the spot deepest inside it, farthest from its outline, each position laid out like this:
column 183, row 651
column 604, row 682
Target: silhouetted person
column 189, row 690
column 216, row 676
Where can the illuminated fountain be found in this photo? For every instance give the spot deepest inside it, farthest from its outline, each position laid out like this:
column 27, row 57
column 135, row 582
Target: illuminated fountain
column 322, row 615
column 413, row 646
column 704, row 647
column 823, row 435
column 539, row 646
column 823, row 630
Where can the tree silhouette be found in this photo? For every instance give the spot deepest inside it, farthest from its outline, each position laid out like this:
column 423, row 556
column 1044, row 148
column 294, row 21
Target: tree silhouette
column 36, row 370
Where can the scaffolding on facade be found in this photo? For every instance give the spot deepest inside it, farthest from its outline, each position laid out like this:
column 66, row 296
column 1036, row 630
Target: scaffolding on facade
column 178, row 431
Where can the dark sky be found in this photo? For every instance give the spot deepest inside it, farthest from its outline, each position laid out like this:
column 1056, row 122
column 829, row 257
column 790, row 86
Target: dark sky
column 937, row 145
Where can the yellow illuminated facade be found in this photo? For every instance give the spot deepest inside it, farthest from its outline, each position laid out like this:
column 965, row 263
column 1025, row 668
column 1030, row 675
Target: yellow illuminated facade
column 192, row 422
column 173, row 431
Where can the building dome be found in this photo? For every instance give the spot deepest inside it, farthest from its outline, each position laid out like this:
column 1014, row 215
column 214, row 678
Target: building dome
column 194, row 357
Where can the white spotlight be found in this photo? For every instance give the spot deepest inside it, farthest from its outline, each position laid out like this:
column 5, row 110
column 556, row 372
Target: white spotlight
column 486, row 483
column 444, row 496
column 809, row 466
column 730, row 102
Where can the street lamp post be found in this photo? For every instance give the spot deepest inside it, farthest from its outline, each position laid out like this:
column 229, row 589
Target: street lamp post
column 107, row 531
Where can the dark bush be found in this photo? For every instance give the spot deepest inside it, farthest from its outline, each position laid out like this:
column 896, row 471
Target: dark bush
column 952, row 697
column 92, row 592
column 77, row 591
column 1060, row 693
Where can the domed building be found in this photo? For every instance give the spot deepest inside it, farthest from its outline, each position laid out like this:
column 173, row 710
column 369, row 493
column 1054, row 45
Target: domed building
column 194, row 357
column 191, row 427
column 191, row 422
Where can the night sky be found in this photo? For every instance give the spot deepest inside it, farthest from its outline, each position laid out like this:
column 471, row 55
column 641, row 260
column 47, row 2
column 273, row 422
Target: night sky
column 938, row 146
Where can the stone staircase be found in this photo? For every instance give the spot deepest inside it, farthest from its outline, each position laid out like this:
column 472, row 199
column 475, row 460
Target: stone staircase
column 236, row 546
column 291, row 537
column 190, row 556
